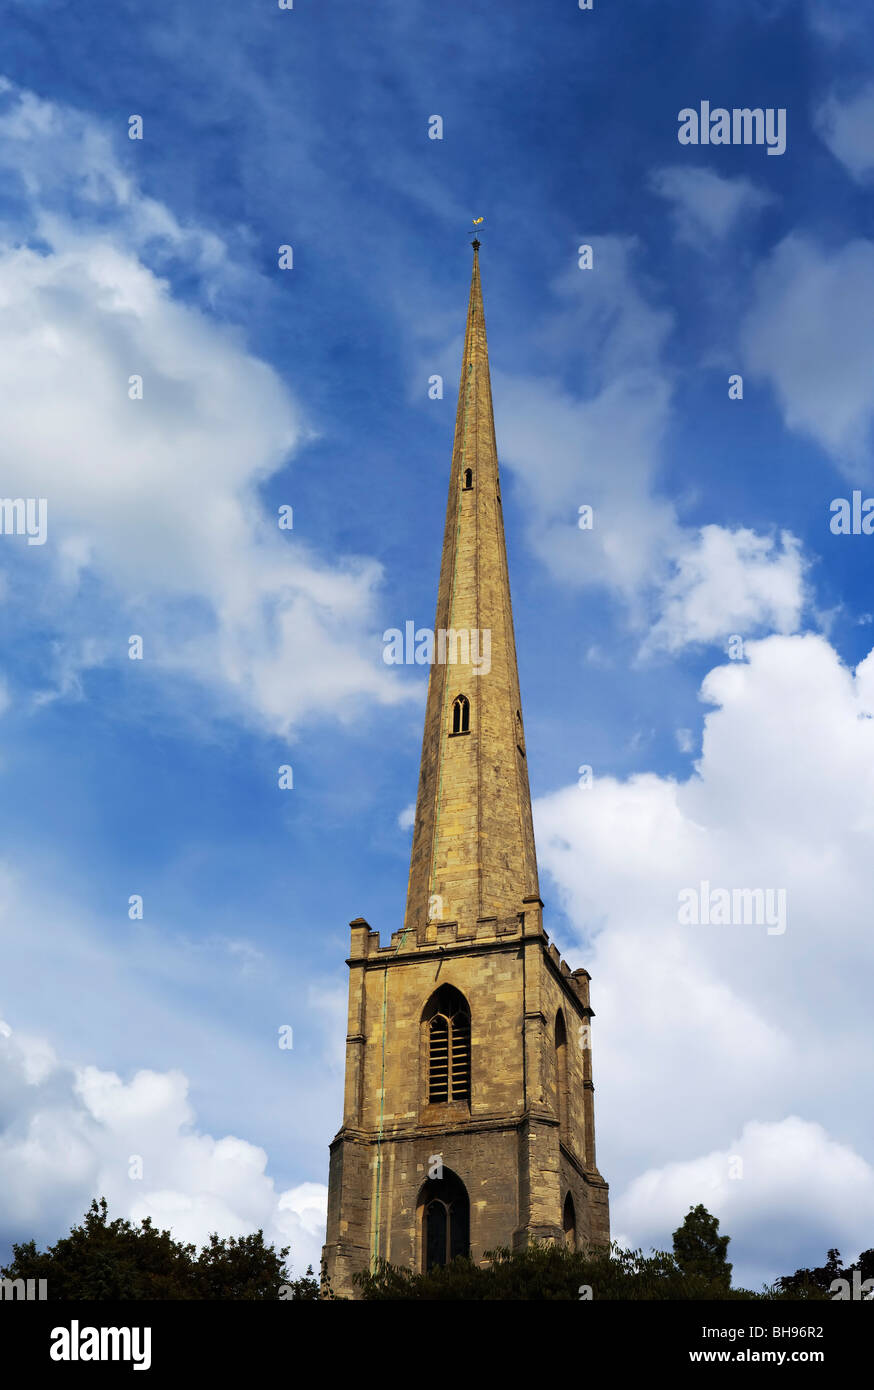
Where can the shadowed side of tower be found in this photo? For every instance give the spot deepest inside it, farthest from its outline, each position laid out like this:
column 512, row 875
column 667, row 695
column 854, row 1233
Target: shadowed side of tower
column 468, row 1119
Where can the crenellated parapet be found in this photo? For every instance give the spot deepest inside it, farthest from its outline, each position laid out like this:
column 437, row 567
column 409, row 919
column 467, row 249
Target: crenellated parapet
column 365, row 942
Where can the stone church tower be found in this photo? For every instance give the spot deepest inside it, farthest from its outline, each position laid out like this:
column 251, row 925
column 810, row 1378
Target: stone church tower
column 469, row 1112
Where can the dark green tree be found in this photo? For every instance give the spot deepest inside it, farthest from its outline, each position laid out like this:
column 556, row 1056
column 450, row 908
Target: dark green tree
column 550, row 1272
column 865, row 1264
column 307, row 1287
column 821, row 1277
column 700, row 1250
column 103, row 1259
column 240, row 1268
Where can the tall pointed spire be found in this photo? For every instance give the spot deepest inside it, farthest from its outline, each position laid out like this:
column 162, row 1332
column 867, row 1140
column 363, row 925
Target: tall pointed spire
column 458, row 1030
column 473, row 840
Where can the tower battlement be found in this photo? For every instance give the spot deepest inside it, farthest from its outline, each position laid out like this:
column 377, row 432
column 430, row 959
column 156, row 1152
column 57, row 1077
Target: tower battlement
column 365, row 943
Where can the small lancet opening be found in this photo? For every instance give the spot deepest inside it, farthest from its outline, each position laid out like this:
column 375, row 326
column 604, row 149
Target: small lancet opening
column 461, row 715
column 520, row 737
column 569, row 1223
column 468, row 480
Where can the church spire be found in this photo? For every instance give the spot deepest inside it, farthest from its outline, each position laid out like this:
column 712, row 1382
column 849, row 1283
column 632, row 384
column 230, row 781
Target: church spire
column 473, row 840
column 459, row 1030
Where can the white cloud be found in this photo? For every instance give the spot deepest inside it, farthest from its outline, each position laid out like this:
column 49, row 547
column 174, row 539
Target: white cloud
column 757, row 1186
column 846, row 127
column 707, row 207
column 331, row 1002
column 69, row 1134
column 407, row 817
column 810, row 333
column 837, row 21
column 156, row 992
column 157, row 499
column 605, row 451
column 701, row 1030
column 730, row 582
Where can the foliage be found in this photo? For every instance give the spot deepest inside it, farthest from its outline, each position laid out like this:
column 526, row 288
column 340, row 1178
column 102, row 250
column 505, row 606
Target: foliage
column 103, row 1259
column 696, row 1270
column 806, row 1283
column 699, row 1250
column 548, row 1271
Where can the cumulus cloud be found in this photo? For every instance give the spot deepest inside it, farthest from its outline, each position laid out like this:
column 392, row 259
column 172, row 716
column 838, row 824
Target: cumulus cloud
column 706, row 207
column 757, row 1186
column 730, row 582
column 810, row 334
column 68, row 1134
column 703, row 1029
column 153, row 503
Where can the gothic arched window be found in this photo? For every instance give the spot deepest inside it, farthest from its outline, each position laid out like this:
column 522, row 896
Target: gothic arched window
column 561, row 1076
column 445, row 1208
column 569, row 1223
column 461, row 715
column 468, row 479
column 448, row 1020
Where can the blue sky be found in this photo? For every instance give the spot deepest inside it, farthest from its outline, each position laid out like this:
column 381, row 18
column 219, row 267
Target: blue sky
column 309, row 387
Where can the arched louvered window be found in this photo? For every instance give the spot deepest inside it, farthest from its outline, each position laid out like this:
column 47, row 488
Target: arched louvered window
column 445, row 1210
column 438, row 1059
column 448, row 1018
column 468, row 479
column 561, row 1076
column 461, row 715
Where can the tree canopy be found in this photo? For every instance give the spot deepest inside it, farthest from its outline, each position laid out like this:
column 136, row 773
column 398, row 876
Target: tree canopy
column 103, row 1259
column 552, row 1272
column 823, row 1276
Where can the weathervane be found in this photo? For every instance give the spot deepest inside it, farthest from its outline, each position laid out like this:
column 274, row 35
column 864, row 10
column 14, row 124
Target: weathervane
column 477, row 223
